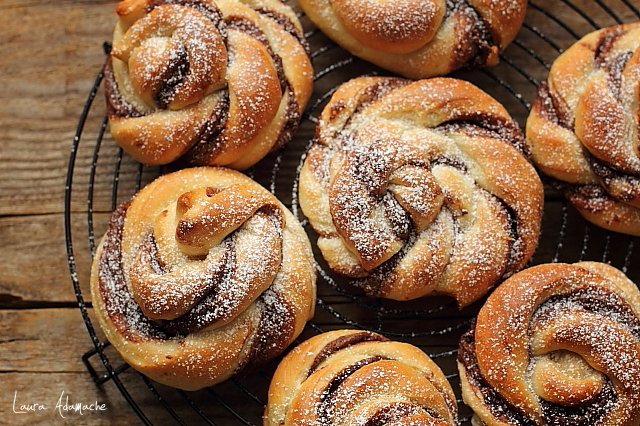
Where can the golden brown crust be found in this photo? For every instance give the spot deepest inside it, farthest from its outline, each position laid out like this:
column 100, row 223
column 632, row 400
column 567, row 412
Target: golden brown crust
column 418, row 187
column 583, row 127
column 218, row 82
column 420, row 38
column 556, row 344
column 353, row 377
column 202, row 274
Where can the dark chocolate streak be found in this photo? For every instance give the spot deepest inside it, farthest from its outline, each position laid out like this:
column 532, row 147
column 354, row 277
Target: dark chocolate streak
column 276, row 329
column 556, row 109
column 379, row 280
column 370, row 95
column 610, row 176
column 176, row 71
column 172, row 76
column 488, row 125
column 553, row 108
column 324, row 406
column 515, row 255
column 344, row 342
column 593, row 299
column 123, row 311
column 206, row 146
column 248, row 27
column 477, row 41
column 495, row 403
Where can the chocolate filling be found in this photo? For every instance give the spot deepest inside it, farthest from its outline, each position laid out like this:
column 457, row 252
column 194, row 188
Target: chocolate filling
column 484, row 124
column 172, row 76
column 552, row 108
column 477, row 40
column 592, row 198
column 593, row 299
column 326, row 402
column 370, row 95
column 610, row 176
column 124, row 312
column 344, row 342
column 495, row 403
column 287, row 25
column 381, row 278
column 209, row 145
column 276, row 328
column 205, row 146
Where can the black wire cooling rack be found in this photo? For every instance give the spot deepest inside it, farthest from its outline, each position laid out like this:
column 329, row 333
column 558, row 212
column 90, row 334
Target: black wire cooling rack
column 433, row 324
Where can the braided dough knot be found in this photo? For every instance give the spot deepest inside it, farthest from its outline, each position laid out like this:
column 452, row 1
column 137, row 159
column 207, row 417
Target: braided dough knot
column 420, row 38
column 187, row 256
column 218, row 82
column 359, row 378
column 583, row 127
column 556, row 344
column 418, row 187
column 207, row 273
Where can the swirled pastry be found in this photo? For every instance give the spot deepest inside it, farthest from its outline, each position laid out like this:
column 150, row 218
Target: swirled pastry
column 202, row 274
column 583, row 128
column 358, row 378
column 220, row 82
column 556, row 344
column 418, row 187
column 420, row 38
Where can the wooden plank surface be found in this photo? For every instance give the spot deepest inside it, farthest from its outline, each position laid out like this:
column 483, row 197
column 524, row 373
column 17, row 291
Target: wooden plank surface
column 50, row 55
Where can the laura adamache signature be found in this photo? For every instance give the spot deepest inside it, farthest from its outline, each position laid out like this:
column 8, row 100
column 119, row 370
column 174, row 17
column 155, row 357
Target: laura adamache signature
column 63, row 406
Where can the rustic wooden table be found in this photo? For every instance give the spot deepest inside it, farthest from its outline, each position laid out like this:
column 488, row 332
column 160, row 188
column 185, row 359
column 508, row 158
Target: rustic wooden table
column 49, row 56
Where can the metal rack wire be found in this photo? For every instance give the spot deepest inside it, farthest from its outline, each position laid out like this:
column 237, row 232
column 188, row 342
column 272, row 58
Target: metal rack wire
column 433, row 324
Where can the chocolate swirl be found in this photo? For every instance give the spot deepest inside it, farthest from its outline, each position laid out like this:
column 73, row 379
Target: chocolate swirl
column 556, row 344
column 217, row 83
column 420, row 38
column 583, row 128
column 202, row 274
column 351, row 377
column 419, row 188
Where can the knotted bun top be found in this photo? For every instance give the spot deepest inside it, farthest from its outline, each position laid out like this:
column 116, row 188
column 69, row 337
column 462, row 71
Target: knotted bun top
column 556, row 344
column 419, row 188
column 202, row 274
column 420, row 38
column 583, row 128
column 222, row 82
column 359, row 378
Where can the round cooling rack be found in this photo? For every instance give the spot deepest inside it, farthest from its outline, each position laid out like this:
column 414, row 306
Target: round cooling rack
column 99, row 177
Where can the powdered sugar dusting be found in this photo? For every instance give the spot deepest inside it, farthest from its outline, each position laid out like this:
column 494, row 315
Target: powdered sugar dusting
column 565, row 348
column 393, row 163
column 176, row 68
column 246, row 291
